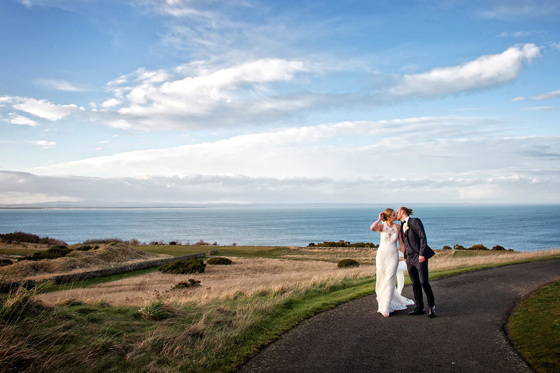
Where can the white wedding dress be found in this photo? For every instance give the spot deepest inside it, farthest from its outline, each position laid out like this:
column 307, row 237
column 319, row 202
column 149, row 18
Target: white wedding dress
column 388, row 268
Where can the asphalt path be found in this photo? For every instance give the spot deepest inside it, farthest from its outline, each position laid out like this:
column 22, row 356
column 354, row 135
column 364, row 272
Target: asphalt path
column 468, row 335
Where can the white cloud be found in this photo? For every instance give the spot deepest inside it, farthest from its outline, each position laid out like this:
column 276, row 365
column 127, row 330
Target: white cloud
column 346, row 150
column 110, row 103
column 41, row 108
column 484, row 72
column 540, row 108
column 20, row 120
column 155, row 100
column 44, row 144
column 544, row 96
column 515, row 9
column 59, row 85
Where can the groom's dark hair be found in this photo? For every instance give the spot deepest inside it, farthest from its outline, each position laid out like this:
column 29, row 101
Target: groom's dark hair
column 407, row 210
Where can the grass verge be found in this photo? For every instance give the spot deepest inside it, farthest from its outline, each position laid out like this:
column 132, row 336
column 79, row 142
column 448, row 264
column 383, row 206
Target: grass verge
column 239, row 251
column 213, row 336
column 534, row 328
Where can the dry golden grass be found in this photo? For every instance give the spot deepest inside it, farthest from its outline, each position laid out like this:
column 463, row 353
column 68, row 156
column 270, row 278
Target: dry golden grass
column 250, row 276
column 245, row 275
column 76, row 261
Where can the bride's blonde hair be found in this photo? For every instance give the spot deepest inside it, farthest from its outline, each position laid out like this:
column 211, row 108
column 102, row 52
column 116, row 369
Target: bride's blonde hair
column 387, row 213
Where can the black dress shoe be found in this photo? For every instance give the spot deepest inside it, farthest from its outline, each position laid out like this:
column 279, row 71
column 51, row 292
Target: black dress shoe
column 432, row 312
column 417, row 311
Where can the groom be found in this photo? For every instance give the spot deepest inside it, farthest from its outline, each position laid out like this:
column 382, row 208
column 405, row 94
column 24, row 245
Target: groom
column 417, row 252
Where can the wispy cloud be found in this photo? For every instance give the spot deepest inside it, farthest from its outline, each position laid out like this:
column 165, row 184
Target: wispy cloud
column 21, row 120
column 40, row 108
column 44, row 144
column 59, row 85
column 544, row 96
column 193, row 95
column 484, row 72
column 516, row 9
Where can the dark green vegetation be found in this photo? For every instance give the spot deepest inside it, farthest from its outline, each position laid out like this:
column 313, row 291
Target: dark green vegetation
column 534, row 328
column 184, row 266
column 476, row 247
column 22, row 237
column 219, row 261
column 343, row 243
column 348, row 263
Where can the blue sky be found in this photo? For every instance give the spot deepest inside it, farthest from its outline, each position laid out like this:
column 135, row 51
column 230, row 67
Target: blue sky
column 180, row 101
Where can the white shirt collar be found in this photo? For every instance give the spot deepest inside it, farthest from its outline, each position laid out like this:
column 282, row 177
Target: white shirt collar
column 406, row 220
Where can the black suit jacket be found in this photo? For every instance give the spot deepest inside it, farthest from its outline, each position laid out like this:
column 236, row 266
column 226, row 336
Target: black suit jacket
column 415, row 240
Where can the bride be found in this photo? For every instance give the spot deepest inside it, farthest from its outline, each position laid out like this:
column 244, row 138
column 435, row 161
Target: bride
column 387, row 265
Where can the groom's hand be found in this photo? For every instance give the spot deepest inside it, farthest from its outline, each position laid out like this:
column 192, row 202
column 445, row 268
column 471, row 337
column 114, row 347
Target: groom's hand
column 421, row 259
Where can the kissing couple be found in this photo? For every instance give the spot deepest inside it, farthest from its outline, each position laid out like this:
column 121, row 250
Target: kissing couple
column 412, row 241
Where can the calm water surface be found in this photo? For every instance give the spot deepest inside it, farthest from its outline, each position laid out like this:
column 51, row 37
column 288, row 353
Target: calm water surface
column 523, row 228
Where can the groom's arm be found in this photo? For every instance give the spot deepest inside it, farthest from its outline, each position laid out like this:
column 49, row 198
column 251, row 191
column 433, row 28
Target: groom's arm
column 419, row 229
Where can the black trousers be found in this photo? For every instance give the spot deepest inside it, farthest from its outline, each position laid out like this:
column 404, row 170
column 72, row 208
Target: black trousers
column 418, row 273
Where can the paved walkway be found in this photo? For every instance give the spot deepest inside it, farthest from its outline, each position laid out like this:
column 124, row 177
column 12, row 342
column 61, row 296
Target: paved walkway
column 467, row 336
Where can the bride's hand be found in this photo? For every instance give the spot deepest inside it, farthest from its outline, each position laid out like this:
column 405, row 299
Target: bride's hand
column 381, row 216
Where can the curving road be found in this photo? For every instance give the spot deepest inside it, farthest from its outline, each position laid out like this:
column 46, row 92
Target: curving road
column 467, row 336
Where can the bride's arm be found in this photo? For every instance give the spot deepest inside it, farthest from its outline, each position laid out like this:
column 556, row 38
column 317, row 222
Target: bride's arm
column 376, row 227
column 401, row 242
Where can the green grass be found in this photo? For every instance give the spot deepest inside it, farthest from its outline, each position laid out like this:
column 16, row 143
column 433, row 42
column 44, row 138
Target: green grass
column 239, row 251
column 467, row 253
column 534, row 328
column 212, row 337
column 49, row 286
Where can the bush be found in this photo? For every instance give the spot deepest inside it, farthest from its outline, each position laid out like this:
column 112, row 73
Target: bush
column 29, row 238
column 343, row 243
column 172, row 243
column 219, row 261
column 478, row 247
column 184, row 266
column 5, row 262
column 52, row 253
column 191, row 283
column 348, row 263
column 156, row 310
column 499, row 248
column 201, row 243
column 446, row 248
column 458, row 247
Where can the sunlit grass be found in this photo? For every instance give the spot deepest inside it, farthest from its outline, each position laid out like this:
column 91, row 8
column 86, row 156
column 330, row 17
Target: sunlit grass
column 211, row 328
column 534, row 328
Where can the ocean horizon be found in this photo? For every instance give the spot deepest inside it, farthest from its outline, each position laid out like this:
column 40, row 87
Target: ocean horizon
column 517, row 227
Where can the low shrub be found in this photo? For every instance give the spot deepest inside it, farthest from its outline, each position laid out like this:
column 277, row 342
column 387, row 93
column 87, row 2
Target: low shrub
column 219, row 261
column 184, row 266
column 348, row 263
column 54, row 252
column 458, row 247
column 156, row 310
column 499, row 248
column 29, row 238
column 478, row 247
column 191, row 283
column 446, row 248
column 343, row 243
column 5, row 262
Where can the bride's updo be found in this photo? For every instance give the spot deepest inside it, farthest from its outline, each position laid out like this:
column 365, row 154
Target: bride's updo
column 387, row 213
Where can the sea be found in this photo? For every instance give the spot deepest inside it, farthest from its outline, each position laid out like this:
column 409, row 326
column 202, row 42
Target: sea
column 517, row 227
